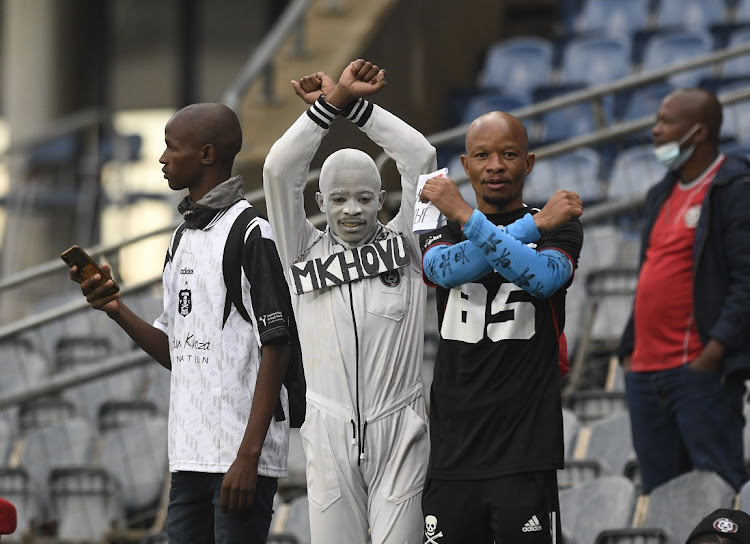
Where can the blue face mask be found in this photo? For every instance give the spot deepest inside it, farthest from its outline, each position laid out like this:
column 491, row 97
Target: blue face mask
column 669, row 154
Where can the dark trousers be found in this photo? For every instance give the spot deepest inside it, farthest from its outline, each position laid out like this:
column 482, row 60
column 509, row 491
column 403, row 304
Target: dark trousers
column 684, row 419
column 520, row 507
column 194, row 515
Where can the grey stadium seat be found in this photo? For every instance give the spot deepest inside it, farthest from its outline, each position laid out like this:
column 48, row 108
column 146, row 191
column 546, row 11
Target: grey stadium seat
column 594, row 506
column 678, row 503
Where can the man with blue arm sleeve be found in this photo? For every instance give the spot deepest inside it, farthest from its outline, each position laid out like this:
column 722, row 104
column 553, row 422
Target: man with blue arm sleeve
column 495, row 419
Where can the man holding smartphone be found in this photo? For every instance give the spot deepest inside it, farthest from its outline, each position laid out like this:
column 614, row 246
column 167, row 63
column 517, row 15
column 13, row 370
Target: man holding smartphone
column 227, row 448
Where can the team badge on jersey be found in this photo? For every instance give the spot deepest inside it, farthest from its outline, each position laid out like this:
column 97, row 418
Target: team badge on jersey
column 692, row 216
column 185, row 302
column 391, row 278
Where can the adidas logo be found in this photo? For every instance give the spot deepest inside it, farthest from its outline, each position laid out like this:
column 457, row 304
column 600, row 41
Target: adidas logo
column 532, row 526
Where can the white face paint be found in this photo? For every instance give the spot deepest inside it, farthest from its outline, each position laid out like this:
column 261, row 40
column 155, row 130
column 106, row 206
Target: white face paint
column 350, row 195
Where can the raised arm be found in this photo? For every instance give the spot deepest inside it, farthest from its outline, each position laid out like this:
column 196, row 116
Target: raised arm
column 287, row 167
column 411, row 151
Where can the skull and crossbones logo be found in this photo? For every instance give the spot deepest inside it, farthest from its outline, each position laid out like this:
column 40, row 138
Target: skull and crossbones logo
column 430, row 525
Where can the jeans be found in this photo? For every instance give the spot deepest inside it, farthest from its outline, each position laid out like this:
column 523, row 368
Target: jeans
column 684, row 419
column 195, row 517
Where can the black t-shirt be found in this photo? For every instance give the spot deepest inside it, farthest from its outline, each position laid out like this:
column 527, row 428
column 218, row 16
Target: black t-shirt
column 495, row 405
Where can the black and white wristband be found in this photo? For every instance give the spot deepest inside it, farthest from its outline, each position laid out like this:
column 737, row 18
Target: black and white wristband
column 322, row 113
column 358, row 111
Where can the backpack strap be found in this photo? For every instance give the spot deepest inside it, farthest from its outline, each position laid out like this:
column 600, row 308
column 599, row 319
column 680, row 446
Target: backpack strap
column 232, row 263
column 175, row 242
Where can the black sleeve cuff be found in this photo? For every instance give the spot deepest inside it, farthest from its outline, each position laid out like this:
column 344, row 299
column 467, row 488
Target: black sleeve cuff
column 358, row 111
column 323, row 113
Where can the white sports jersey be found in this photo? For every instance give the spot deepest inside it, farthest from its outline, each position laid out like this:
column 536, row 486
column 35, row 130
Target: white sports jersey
column 361, row 341
column 214, row 367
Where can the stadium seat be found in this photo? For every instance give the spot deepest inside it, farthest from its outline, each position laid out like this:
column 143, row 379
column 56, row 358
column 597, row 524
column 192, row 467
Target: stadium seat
column 692, row 15
column 86, row 502
column 62, row 444
column 664, row 50
column 576, row 170
column 616, row 18
column 571, row 424
column 635, row 170
column 77, row 353
column 591, row 405
column 42, row 411
column 135, row 456
column 568, row 121
column 578, row 471
column 156, row 384
column 677, row 504
column 23, row 365
column 611, row 442
column 6, row 440
column 291, row 522
column 116, row 414
column 597, row 505
column 634, row 535
column 158, row 538
column 17, row 487
column 296, row 465
column 491, row 101
column 744, row 497
column 736, row 116
column 645, row 101
column 595, row 60
column 517, row 65
column 738, row 66
column 741, row 11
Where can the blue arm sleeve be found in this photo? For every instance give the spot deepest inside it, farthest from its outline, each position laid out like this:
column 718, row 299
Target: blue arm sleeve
column 473, row 263
column 541, row 273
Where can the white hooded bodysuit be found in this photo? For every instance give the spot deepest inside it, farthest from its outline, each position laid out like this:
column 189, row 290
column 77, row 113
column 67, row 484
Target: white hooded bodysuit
column 365, row 432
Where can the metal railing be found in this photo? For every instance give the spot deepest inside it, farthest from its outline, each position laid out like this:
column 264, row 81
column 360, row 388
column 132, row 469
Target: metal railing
column 260, row 64
column 593, row 214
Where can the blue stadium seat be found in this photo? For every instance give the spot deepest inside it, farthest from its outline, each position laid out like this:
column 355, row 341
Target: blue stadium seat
column 738, row 66
column 646, row 100
column 517, row 65
column 595, row 60
column 566, row 122
column 664, row 50
column 635, row 170
column 577, row 171
column 617, row 18
column 693, row 15
column 736, row 116
column 491, row 101
column 741, row 11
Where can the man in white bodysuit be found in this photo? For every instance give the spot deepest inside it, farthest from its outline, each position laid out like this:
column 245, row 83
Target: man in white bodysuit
column 359, row 300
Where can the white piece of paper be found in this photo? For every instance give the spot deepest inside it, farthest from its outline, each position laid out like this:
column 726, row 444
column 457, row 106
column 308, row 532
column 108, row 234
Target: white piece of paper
column 426, row 215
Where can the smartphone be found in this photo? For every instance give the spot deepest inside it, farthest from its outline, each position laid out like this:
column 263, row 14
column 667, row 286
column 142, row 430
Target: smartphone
column 87, row 267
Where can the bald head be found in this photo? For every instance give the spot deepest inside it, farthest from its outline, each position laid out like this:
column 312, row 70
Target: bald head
column 698, row 106
column 214, row 124
column 347, row 164
column 501, row 123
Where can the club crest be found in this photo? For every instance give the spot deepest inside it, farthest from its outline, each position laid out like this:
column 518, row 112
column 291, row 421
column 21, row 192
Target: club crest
column 184, row 302
column 391, row 278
